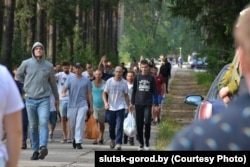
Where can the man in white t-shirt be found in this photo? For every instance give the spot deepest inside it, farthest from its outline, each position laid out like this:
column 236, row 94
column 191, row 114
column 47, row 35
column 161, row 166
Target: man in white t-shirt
column 11, row 105
column 116, row 100
column 62, row 78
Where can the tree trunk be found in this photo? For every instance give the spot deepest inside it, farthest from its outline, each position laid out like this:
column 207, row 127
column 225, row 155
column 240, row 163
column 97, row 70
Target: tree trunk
column 41, row 28
column 31, row 26
column 1, row 22
column 70, row 46
column 52, row 42
column 8, row 32
column 97, row 27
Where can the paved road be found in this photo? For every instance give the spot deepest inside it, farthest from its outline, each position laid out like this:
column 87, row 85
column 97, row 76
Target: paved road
column 63, row 155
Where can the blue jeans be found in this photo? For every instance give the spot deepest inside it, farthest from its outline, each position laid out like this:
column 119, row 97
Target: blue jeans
column 38, row 114
column 115, row 120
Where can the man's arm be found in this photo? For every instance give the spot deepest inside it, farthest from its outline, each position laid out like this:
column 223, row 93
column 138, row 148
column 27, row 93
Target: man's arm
column 21, row 72
column 90, row 100
column 127, row 100
column 105, row 100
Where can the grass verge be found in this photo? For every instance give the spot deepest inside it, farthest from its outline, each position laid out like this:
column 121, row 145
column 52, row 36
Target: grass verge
column 167, row 129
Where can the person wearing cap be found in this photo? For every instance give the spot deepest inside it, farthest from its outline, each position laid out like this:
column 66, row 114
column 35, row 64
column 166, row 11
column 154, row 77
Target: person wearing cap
column 80, row 94
column 38, row 77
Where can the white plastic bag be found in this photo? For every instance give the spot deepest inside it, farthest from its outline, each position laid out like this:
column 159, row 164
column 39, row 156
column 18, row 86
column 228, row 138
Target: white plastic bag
column 129, row 125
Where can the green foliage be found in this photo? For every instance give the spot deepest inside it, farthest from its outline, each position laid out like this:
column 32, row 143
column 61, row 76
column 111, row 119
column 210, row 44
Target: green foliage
column 149, row 31
column 167, row 129
column 213, row 21
column 205, row 78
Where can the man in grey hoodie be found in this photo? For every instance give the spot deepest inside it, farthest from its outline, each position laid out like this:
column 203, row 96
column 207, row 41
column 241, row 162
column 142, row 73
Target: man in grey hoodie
column 38, row 76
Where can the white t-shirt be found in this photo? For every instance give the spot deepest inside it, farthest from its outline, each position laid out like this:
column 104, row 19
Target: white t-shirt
column 85, row 74
column 61, row 79
column 11, row 101
column 116, row 91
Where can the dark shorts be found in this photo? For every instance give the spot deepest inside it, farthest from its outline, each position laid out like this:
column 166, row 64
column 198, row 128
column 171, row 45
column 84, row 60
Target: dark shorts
column 53, row 118
column 159, row 99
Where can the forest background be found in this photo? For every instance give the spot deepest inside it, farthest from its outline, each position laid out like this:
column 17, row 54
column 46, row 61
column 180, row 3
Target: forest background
column 85, row 30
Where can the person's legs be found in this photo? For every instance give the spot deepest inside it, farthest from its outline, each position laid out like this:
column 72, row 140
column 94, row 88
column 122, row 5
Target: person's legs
column 140, row 123
column 80, row 124
column 72, row 113
column 147, row 118
column 112, row 121
column 119, row 125
column 158, row 115
column 101, row 128
column 31, row 107
column 43, row 110
column 63, row 113
column 166, row 84
column 101, row 120
column 52, row 120
column 25, row 127
column 43, row 116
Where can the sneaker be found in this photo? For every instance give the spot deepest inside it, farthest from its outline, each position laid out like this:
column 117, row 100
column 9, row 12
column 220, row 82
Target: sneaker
column 35, row 155
column 64, row 141
column 78, row 146
column 147, row 148
column 69, row 141
column 140, row 148
column 131, row 141
column 112, row 144
column 125, row 139
column 24, row 145
column 43, row 152
column 100, row 141
column 118, row 147
column 74, row 143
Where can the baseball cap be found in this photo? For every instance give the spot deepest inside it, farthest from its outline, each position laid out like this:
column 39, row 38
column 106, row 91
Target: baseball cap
column 78, row 65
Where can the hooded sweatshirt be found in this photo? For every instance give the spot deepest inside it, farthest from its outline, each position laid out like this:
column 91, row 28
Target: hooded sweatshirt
column 37, row 76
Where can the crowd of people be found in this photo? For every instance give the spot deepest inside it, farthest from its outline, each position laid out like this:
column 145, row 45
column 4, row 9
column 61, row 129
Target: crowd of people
column 109, row 95
column 73, row 92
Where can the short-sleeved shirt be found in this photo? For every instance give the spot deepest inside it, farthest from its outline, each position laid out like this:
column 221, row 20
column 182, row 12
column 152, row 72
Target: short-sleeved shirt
column 116, row 91
column 229, row 130
column 11, row 101
column 61, row 79
column 159, row 81
column 78, row 91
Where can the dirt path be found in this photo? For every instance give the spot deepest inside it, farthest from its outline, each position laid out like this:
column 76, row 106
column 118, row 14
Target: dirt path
column 183, row 84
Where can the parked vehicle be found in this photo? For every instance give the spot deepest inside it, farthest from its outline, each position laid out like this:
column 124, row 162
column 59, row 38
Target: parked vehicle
column 212, row 104
column 199, row 63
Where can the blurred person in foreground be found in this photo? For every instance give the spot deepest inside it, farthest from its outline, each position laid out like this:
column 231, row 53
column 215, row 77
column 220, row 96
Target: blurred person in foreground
column 11, row 105
column 229, row 130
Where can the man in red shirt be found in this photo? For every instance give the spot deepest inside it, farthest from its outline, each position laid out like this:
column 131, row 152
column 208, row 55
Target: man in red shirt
column 161, row 90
